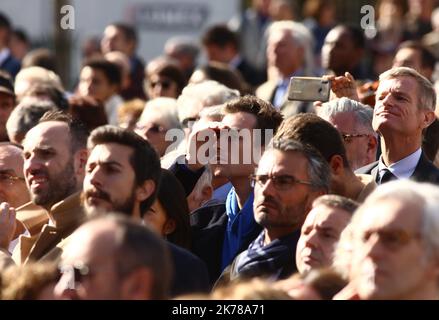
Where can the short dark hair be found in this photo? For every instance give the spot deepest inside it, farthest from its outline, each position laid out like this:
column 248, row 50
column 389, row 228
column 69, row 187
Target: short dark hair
column 172, row 72
column 128, row 31
column 144, row 160
column 78, row 131
column 267, row 116
column 428, row 60
column 221, row 36
column 138, row 246
column 311, row 129
column 111, row 70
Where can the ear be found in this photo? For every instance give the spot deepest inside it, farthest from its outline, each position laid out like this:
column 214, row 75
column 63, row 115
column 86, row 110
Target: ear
column 372, row 145
column 80, row 160
column 169, row 226
column 336, row 165
column 428, row 118
column 137, row 285
column 145, row 190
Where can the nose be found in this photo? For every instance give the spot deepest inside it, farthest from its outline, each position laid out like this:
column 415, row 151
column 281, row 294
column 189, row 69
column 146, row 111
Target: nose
column 94, row 177
column 32, row 163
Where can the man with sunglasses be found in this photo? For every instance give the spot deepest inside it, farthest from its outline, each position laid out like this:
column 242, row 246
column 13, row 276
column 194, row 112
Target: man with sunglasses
column 396, row 244
column 289, row 177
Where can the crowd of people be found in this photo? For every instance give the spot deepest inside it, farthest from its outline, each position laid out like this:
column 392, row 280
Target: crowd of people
column 179, row 180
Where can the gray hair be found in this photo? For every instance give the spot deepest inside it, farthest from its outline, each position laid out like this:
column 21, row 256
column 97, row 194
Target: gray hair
column 426, row 93
column 205, row 180
column 166, row 107
column 318, row 168
column 26, row 116
column 362, row 114
column 424, row 195
column 183, row 45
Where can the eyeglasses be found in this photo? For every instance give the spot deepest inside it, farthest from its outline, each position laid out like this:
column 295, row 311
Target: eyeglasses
column 7, row 179
column 165, row 84
column 155, row 128
column 348, row 137
column 281, row 182
column 391, row 239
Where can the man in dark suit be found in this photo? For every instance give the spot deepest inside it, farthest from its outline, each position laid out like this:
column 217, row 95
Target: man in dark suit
column 222, row 45
column 7, row 61
column 405, row 103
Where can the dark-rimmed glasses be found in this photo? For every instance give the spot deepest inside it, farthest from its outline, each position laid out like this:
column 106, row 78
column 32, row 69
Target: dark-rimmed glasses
column 281, row 182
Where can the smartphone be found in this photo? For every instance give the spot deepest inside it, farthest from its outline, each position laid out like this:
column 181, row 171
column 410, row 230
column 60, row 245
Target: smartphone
column 309, row 89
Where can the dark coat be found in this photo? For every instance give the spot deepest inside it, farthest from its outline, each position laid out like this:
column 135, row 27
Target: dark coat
column 208, row 227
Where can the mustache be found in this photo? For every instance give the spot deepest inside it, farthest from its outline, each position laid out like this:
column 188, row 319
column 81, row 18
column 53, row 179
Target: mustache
column 96, row 193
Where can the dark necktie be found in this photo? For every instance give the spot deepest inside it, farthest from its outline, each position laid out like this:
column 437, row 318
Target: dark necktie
column 386, row 176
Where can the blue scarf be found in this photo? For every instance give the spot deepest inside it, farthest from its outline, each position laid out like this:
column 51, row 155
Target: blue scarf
column 240, row 223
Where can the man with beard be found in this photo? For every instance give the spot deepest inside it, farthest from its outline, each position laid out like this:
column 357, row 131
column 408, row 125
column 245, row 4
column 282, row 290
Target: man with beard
column 122, row 175
column 288, row 179
column 54, row 162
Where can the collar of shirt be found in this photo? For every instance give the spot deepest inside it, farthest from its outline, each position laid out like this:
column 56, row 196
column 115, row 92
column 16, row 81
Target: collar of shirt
column 4, row 55
column 234, row 63
column 404, row 168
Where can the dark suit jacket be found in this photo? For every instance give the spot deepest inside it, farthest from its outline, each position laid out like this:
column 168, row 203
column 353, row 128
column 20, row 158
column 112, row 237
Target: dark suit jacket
column 425, row 171
column 208, row 227
column 190, row 273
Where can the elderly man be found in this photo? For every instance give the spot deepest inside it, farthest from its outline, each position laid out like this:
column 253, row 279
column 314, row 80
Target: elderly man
column 396, row 252
column 288, row 179
column 289, row 45
column 112, row 258
column 321, row 231
column 354, row 122
column 405, row 104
